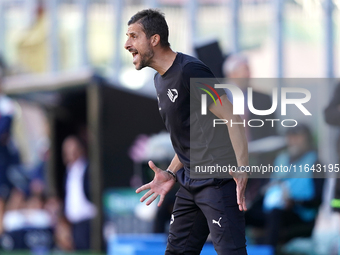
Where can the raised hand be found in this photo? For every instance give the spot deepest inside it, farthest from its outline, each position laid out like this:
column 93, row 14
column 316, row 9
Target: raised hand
column 159, row 186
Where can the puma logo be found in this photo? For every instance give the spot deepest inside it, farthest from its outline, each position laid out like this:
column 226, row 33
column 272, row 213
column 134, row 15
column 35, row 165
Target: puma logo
column 217, row 222
column 172, row 219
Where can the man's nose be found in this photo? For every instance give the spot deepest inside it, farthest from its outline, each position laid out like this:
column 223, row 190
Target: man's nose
column 127, row 44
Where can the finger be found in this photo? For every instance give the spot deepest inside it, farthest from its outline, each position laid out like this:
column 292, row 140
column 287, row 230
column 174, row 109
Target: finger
column 240, row 199
column 154, row 196
column 160, row 200
column 146, row 195
column 144, row 187
column 241, row 204
column 238, row 195
column 244, row 205
column 153, row 167
column 240, row 189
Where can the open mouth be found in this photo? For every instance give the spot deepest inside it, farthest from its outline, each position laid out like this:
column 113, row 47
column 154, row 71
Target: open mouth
column 134, row 55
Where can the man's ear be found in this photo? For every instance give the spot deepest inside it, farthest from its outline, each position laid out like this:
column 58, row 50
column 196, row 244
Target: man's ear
column 155, row 40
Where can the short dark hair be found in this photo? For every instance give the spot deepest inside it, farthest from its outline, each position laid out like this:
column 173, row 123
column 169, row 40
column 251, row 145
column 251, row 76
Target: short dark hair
column 153, row 22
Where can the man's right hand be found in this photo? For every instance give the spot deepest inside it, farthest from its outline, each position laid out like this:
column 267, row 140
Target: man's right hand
column 159, row 186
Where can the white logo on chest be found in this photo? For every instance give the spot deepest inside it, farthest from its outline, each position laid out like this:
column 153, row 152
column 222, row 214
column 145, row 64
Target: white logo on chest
column 159, row 103
column 172, row 94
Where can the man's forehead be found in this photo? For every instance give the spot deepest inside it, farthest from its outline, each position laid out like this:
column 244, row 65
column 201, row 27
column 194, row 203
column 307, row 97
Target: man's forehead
column 135, row 28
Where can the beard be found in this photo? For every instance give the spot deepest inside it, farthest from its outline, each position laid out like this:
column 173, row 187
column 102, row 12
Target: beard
column 145, row 59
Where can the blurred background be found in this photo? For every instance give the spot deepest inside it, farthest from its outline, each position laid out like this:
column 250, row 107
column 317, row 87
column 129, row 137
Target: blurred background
column 78, row 123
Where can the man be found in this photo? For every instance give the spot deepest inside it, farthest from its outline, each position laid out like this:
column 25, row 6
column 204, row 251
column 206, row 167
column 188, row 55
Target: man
column 332, row 117
column 78, row 209
column 291, row 201
column 202, row 205
column 6, row 118
column 236, row 69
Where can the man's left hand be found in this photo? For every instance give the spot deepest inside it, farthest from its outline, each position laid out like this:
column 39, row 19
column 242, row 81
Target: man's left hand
column 241, row 179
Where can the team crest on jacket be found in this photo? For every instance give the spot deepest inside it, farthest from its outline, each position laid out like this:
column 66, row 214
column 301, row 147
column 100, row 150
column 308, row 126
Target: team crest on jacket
column 172, row 94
